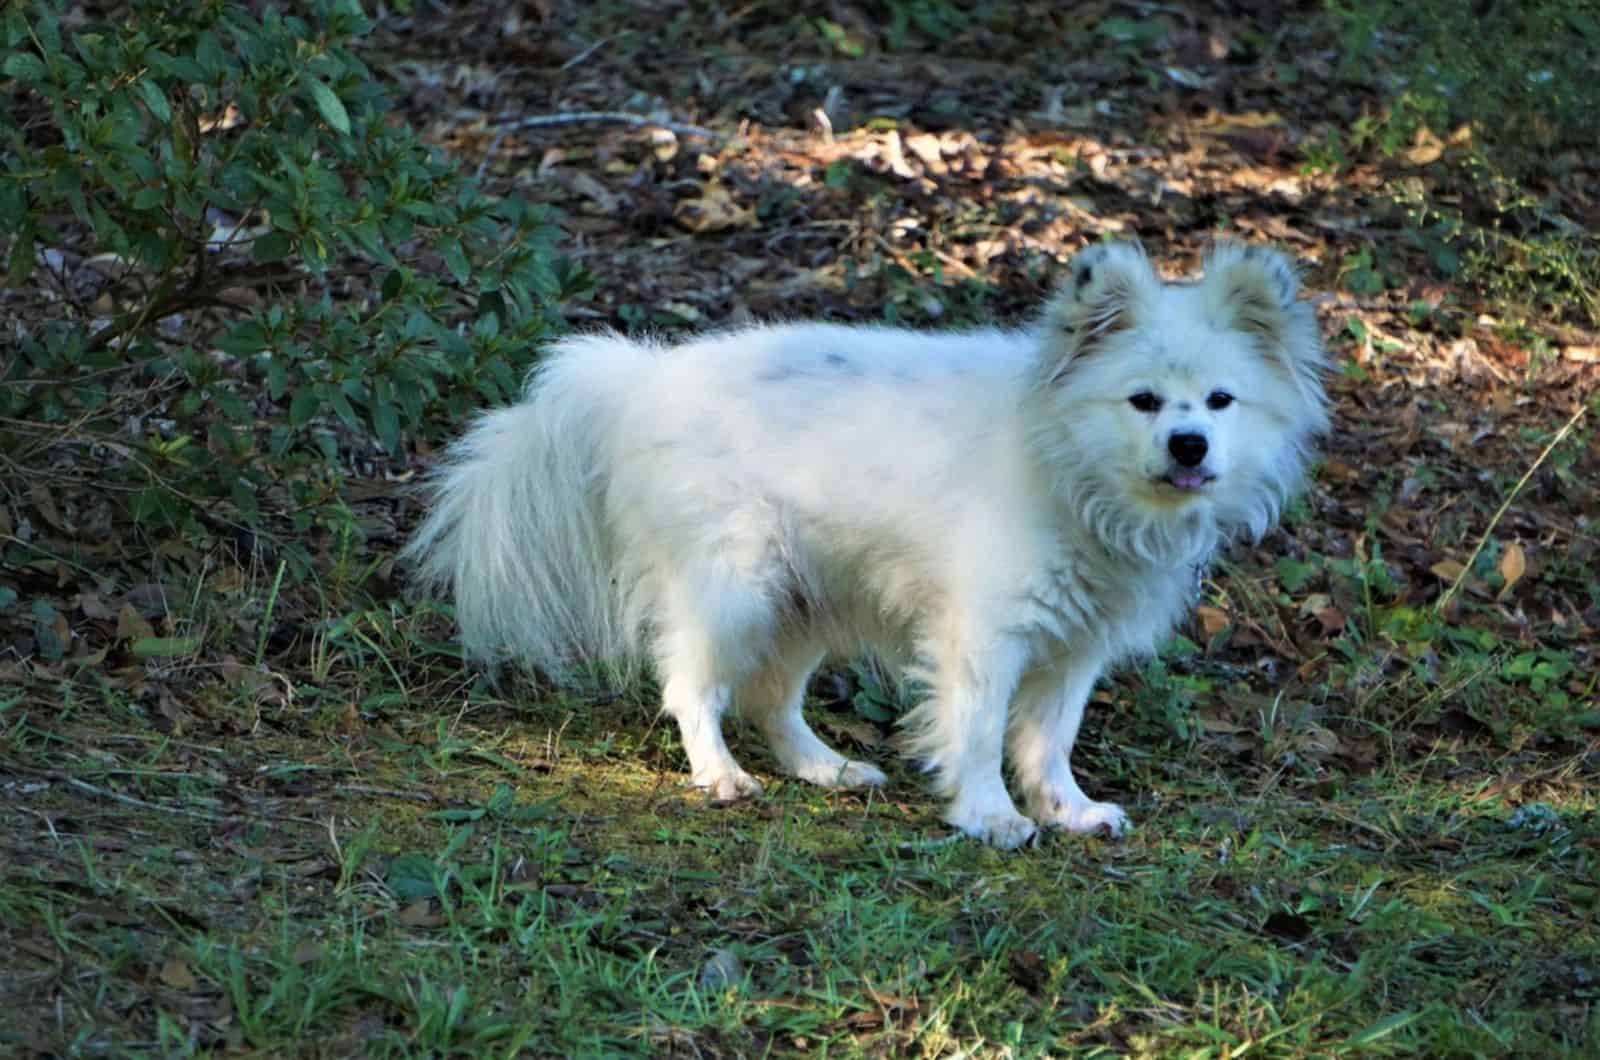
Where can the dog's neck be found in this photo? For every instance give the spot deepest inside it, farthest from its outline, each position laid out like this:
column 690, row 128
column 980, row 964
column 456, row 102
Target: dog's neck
column 1132, row 538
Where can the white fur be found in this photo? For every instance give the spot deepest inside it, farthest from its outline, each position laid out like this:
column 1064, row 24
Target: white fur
column 985, row 509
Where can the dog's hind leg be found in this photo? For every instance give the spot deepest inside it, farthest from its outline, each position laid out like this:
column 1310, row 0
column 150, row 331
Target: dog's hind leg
column 697, row 704
column 701, row 662
column 1044, row 727
column 774, row 697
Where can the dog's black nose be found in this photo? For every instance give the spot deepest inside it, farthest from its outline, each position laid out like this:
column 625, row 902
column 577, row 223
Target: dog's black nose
column 1187, row 448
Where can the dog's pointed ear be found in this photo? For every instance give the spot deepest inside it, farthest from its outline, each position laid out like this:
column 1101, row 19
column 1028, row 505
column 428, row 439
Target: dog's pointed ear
column 1251, row 288
column 1256, row 290
column 1110, row 287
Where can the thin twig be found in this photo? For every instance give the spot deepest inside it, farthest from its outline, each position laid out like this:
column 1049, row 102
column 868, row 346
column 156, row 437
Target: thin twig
column 581, row 56
column 1455, row 586
column 1375, row 305
column 365, row 789
column 579, row 117
column 494, row 145
column 116, row 796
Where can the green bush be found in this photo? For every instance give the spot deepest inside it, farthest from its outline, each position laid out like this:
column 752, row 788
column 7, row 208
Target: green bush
column 283, row 272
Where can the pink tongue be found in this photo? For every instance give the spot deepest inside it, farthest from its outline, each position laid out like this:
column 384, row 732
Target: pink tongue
column 1188, row 480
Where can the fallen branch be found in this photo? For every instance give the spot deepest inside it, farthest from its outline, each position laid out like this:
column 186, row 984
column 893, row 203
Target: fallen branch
column 582, row 117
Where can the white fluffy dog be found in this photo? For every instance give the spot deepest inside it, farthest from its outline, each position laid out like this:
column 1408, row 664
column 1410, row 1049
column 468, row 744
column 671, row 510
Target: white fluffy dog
column 1004, row 513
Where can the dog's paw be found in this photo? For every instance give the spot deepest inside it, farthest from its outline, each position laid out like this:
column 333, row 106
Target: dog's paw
column 842, row 775
column 1086, row 816
column 1003, row 828
column 729, row 787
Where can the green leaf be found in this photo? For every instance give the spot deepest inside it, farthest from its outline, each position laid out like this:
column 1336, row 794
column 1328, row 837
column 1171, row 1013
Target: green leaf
column 1385, row 1027
column 474, row 814
column 303, row 406
column 153, row 98
column 20, row 265
column 329, row 107
column 208, row 53
column 245, row 338
column 245, row 501
column 161, row 647
column 179, row 67
column 344, row 410
column 24, row 66
column 277, row 378
column 455, row 259
column 1132, row 31
column 13, row 30
column 386, row 421
column 1293, row 574
column 274, row 246
column 410, row 877
column 13, row 206
column 154, row 505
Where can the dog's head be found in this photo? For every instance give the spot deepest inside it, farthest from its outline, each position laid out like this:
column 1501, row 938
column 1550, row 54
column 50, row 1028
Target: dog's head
column 1179, row 406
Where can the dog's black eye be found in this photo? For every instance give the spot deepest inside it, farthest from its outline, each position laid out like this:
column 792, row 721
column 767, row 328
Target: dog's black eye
column 1145, row 401
column 1219, row 400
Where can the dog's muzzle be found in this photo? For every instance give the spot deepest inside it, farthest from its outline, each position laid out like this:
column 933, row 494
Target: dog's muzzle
column 1188, row 451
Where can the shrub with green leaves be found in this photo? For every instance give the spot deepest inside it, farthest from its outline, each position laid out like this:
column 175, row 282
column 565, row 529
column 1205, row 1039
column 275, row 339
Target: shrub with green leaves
column 247, row 267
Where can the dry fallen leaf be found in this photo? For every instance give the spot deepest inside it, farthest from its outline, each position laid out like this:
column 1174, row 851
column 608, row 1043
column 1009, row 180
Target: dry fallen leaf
column 1212, row 619
column 419, row 914
column 176, row 974
column 45, row 504
column 132, row 626
column 721, row 970
column 852, row 730
column 1315, row 602
column 1513, row 565
column 597, row 193
column 1315, row 739
column 1425, row 148
column 307, row 951
column 93, row 607
column 1339, row 471
column 1215, row 723
column 713, row 211
column 1447, row 570
column 928, row 148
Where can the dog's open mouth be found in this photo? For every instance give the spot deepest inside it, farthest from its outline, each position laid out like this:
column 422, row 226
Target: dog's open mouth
column 1188, row 478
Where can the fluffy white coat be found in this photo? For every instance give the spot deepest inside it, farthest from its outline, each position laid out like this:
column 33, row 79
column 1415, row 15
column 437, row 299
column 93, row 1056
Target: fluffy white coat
column 1004, row 513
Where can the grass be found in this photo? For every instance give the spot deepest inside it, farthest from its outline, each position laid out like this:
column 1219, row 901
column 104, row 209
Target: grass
column 526, row 874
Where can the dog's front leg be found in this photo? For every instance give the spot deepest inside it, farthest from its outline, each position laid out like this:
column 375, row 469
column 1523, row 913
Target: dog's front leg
column 1048, row 710
column 962, row 738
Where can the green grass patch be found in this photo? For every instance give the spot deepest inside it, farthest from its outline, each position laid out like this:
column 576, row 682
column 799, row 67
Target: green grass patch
column 535, row 878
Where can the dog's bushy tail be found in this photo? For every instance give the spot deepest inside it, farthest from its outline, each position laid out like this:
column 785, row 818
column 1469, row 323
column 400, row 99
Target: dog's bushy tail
column 517, row 533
